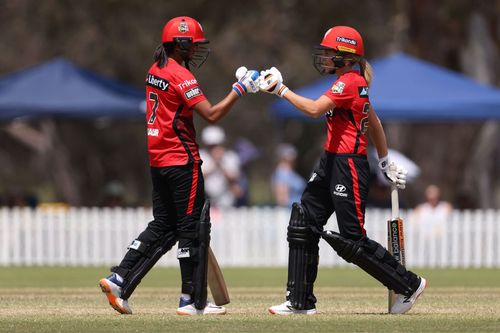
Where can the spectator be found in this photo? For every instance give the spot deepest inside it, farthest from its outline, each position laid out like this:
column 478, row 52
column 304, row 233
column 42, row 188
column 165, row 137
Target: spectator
column 114, row 192
column 19, row 198
column 247, row 153
column 287, row 184
column 221, row 168
column 430, row 217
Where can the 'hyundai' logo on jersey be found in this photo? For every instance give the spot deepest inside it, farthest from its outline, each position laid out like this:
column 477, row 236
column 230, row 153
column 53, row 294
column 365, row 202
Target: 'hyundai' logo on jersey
column 340, row 190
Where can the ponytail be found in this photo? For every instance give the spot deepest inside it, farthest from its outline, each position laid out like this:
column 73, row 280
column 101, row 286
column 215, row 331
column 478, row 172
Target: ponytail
column 161, row 56
column 366, row 70
column 162, row 52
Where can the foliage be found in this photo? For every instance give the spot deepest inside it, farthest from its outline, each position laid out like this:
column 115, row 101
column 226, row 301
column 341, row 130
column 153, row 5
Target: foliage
column 117, row 38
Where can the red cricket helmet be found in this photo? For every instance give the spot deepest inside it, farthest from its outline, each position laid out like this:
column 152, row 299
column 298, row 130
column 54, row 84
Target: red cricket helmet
column 344, row 39
column 183, row 27
column 186, row 31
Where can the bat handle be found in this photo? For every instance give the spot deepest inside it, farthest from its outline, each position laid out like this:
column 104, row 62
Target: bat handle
column 394, row 202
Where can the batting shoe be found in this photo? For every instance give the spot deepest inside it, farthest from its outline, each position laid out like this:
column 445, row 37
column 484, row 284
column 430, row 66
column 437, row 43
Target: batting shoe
column 404, row 303
column 111, row 287
column 286, row 309
column 187, row 309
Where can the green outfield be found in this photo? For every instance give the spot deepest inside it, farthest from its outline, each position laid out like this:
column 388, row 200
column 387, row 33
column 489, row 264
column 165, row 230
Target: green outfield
column 68, row 300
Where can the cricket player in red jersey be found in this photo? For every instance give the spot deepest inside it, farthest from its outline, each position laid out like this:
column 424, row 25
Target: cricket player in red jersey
column 340, row 182
column 180, row 210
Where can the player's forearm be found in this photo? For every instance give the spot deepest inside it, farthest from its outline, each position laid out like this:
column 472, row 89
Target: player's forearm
column 376, row 132
column 213, row 113
column 305, row 105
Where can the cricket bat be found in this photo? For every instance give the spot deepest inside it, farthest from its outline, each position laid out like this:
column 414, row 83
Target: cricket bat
column 216, row 281
column 395, row 237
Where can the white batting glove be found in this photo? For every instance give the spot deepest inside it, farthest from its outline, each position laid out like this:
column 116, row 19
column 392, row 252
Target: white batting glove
column 394, row 174
column 271, row 82
column 248, row 81
column 240, row 72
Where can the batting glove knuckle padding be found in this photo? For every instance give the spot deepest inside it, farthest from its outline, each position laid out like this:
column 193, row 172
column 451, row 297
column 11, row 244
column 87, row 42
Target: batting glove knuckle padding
column 394, row 174
column 248, row 81
column 271, row 82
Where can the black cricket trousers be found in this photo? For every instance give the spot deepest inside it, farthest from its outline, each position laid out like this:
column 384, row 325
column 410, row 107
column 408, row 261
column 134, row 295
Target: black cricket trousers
column 338, row 184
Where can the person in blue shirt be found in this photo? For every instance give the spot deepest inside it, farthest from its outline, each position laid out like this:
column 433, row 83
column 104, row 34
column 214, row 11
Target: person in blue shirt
column 287, row 184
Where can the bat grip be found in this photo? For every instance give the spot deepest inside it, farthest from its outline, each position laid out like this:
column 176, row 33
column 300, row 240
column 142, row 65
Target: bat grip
column 394, row 202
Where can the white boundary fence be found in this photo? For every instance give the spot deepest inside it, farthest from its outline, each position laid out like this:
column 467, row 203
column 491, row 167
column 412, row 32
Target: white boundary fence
column 240, row 237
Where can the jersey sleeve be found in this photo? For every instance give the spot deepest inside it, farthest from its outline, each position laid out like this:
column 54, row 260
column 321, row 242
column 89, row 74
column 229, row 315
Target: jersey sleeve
column 341, row 93
column 188, row 88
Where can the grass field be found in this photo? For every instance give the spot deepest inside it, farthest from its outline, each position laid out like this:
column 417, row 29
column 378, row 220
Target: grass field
column 68, row 300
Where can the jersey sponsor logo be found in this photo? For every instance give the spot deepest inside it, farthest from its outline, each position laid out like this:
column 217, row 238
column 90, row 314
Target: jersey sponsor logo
column 153, row 132
column 186, row 84
column 338, row 87
column 193, row 92
column 340, row 190
column 346, row 40
column 363, row 91
column 157, row 82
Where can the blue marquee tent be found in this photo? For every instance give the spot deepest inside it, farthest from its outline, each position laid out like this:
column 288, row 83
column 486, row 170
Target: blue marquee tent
column 59, row 88
column 408, row 89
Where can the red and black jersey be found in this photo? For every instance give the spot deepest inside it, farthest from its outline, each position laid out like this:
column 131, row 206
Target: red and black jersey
column 348, row 122
column 171, row 91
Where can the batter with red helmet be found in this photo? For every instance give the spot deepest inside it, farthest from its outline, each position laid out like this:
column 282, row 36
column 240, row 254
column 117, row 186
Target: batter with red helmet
column 339, row 182
column 180, row 210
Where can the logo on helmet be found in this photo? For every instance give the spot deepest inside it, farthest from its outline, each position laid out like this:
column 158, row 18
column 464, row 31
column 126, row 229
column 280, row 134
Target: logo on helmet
column 183, row 27
column 346, row 49
column 346, row 40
